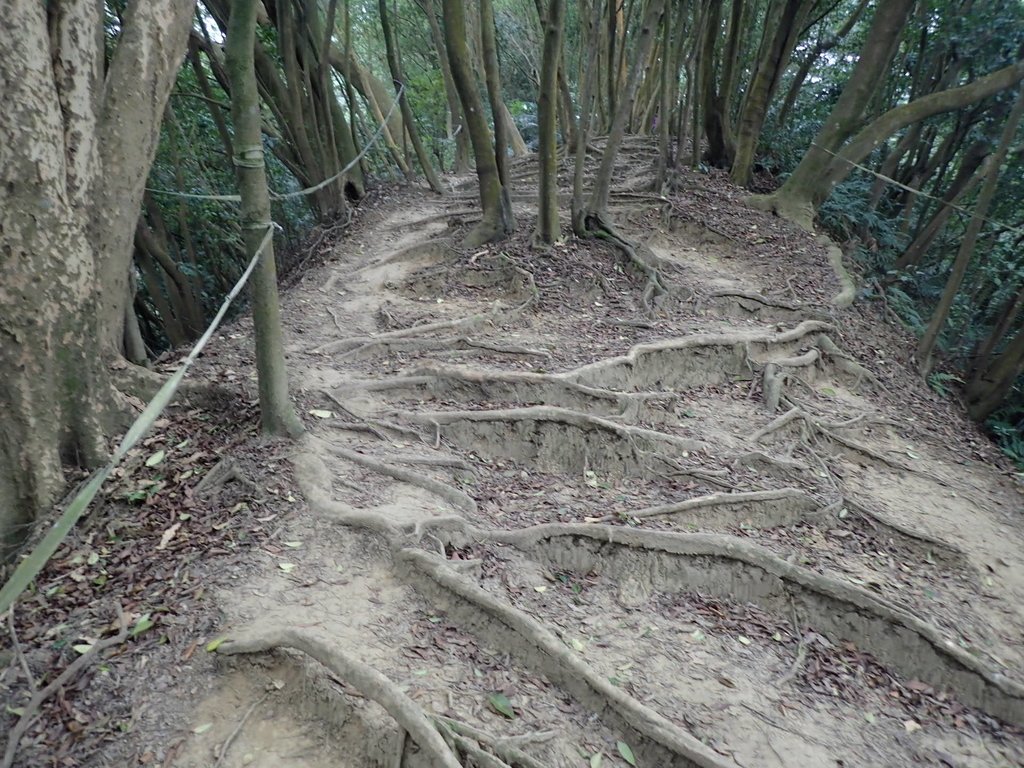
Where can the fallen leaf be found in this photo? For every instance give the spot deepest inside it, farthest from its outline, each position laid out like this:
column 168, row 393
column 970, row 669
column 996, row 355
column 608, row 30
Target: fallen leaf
column 499, row 703
column 293, row 544
column 144, row 623
column 322, row 414
column 155, row 459
column 82, row 648
column 626, row 752
column 744, row 640
column 540, row 589
column 286, row 567
column 202, row 728
column 213, row 645
column 167, row 536
column 911, row 726
column 596, row 760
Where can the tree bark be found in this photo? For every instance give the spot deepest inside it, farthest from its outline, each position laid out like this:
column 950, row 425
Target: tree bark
column 785, row 20
column 278, row 415
column 548, row 230
column 391, row 46
column 462, row 145
column 598, row 205
column 494, row 225
column 74, row 158
column 802, row 193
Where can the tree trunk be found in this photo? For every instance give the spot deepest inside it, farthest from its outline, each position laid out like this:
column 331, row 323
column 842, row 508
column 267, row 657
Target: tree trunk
column 494, row 225
column 278, row 415
column 598, row 205
column 462, row 145
column 398, row 78
column 786, row 19
column 926, row 347
column 970, row 175
column 548, row 230
column 588, row 97
column 75, row 154
column 800, row 196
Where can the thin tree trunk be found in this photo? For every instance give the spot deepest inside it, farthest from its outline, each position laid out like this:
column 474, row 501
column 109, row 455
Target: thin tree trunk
column 548, row 230
column 588, row 96
column 598, row 205
column 278, row 415
column 462, row 144
column 926, row 347
column 398, row 78
column 494, row 225
column 503, row 125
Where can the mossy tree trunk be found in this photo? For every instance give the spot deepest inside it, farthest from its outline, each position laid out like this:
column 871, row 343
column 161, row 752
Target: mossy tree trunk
column 278, row 415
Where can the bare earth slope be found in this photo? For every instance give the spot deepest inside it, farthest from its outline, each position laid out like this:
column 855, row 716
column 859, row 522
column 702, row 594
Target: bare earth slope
column 678, row 510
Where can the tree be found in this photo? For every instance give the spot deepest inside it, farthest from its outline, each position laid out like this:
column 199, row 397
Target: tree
column 496, row 222
column 963, row 257
column 391, row 45
column 276, row 410
column 842, row 141
column 547, row 112
column 79, row 138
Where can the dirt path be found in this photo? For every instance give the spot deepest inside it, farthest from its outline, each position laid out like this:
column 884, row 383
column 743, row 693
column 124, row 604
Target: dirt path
column 722, row 532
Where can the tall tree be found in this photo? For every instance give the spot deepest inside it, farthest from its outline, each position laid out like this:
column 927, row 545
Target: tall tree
column 926, row 347
column 78, row 140
column 395, row 66
column 844, row 139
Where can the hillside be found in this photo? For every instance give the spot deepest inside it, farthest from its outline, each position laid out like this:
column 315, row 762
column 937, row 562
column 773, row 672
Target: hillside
column 566, row 502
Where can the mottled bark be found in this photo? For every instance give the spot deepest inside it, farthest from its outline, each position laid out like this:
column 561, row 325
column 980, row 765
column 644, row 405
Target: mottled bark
column 75, row 150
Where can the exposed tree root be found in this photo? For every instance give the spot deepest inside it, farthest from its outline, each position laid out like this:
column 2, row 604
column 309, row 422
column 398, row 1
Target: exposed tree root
column 735, row 293
column 370, row 683
column 541, row 437
column 476, row 385
column 452, row 495
column 656, row 740
column 599, row 226
column 763, row 509
column 692, row 360
column 736, row 568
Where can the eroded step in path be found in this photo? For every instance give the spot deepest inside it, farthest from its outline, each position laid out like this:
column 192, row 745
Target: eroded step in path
column 574, row 503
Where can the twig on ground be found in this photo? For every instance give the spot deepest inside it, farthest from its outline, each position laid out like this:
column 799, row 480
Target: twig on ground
column 238, row 729
column 31, row 710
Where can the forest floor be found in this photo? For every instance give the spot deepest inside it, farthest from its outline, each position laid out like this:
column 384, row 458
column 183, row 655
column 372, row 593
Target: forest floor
column 558, row 508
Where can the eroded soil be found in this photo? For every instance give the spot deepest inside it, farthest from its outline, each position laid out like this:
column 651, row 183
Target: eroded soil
column 565, row 511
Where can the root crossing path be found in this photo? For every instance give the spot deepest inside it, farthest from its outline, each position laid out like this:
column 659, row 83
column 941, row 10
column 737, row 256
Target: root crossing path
column 550, row 518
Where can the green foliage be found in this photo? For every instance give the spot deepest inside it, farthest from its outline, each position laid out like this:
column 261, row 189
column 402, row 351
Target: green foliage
column 940, row 382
